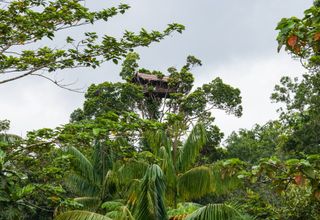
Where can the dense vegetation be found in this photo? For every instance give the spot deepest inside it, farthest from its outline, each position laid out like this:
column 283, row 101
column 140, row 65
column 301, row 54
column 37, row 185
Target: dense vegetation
column 128, row 154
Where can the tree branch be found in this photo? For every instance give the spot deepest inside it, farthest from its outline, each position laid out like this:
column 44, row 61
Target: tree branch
column 57, row 83
column 20, row 76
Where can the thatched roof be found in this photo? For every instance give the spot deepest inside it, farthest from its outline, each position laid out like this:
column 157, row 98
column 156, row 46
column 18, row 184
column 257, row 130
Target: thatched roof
column 149, row 77
column 160, row 85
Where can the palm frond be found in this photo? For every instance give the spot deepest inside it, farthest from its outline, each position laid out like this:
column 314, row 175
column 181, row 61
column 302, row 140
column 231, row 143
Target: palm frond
column 132, row 194
column 195, row 183
column 131, row 169
column 165, row 155
column 125, row 214
column 182, row 210
column 102, row 159
column 167, row 166
column 151, row 197
column 112, row 205
column 89, row 203
column 81, row 186
column 203, row 180
column 154, row 140
column 120, row 213
column 83, row 164
column 81, row 215
column 223, row 182
column 191, row 148
column 216, row 212
column 110, row 185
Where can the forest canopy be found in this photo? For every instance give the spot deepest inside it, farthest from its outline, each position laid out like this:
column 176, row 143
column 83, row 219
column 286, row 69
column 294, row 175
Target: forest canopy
column 147, row 147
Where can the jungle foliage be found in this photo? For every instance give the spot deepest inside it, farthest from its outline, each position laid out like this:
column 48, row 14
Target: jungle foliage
column 129, row 155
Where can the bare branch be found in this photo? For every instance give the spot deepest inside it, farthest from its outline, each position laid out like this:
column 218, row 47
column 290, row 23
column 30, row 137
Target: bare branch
column 57, row 83
column 3, row 49
column 12, row 52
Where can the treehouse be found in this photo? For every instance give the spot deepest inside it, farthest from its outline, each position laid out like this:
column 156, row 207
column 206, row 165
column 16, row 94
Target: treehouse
column 153, row 85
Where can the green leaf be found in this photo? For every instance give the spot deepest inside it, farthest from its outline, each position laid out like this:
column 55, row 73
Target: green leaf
column 115, row 61
column 309, row 172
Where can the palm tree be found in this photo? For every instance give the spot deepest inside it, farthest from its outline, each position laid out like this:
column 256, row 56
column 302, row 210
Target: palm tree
column 185, row 182
column 98, row 180
column 90, row 179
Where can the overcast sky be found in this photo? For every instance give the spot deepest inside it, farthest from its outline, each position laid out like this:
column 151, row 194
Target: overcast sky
column 235, row 40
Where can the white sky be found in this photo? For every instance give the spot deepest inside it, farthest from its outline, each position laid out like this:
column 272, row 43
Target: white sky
column 234, row 39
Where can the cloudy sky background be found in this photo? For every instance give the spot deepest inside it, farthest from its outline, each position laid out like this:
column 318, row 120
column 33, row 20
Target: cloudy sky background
column 234, row 39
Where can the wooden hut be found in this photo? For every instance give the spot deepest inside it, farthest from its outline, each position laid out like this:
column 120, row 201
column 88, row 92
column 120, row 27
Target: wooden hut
column 153, row 85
